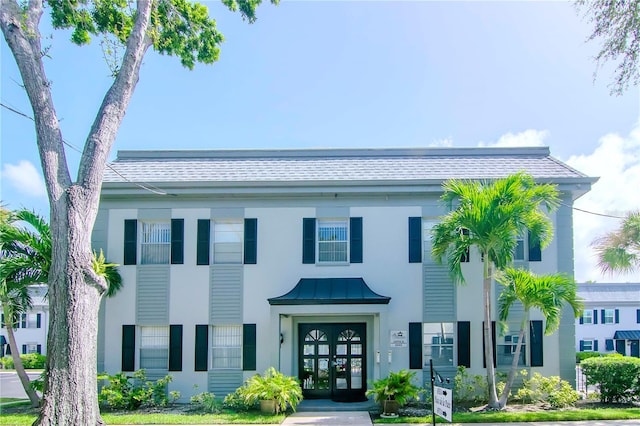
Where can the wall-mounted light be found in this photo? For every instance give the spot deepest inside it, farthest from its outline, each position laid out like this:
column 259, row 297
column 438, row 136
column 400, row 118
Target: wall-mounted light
column 281, row 338
column 377, row 357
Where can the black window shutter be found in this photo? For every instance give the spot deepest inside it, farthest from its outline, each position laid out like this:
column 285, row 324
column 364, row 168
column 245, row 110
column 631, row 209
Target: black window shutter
column 620, row 347
column 415, row 345
column 250, row 241
column 608, row 344
column 493, row 337
column 2, row 320
column 602, row 316
column 595, row 316
column 581, row 345
column 308, row 240
column 23, row 321
column 203, row 242
column 355, row 240
column 464, row 344
column 202, row 347
column 617, row 316
column 128, row 347
column 39, row 321
column 8, row 352
column 581, row 319
column 248, row 347
column 24, row 349
column 39, row 349
column 535, row 253
column 177, row 241
column 130, row 241
column 536, row 351
column 638, row 316
column 415, row 240
column 175, row 348
column 595, row 345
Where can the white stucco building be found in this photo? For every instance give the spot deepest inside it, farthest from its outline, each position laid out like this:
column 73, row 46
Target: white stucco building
column 31, row 328
column 316, row 262
column 611, row 318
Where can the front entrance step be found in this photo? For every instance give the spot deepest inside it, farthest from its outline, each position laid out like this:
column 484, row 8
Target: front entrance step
column 340, row 418
column 325, row 405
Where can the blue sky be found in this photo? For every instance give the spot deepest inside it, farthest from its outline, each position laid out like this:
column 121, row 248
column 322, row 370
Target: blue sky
column 360, row 74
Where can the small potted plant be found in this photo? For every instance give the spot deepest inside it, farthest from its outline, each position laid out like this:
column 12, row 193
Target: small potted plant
column 394, row 391
column 273, row 390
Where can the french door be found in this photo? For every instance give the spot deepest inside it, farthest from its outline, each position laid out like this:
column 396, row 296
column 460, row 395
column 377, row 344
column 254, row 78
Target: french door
column 332, row 361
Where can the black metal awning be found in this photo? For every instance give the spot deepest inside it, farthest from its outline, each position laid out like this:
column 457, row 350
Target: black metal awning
column 627, row 335
column 330, row 291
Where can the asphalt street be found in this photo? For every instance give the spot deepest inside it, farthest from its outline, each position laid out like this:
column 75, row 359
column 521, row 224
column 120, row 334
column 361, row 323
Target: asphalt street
column 10, row 386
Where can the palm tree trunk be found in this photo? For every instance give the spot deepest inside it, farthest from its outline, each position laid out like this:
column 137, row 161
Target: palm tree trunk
column 514, row 365
column 17, row 361
column 488, row 338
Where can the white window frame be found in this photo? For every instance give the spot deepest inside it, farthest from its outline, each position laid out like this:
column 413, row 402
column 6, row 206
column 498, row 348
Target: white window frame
column 32, row 348
column 228, row 241
column 584, row 345
column 154, row 338
column 445, row 343
column 510, row 342
column 337, row 228
column 609, row 316
column 32, row 320
column 427, row 226
column 155, row 242
column 226, row 347
column 520, row 250
column 587, row 316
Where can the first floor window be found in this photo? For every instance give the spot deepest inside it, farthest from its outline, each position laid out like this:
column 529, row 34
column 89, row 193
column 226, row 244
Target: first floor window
column 154, row 347
column 30, row 348
column 586, row 345
column 226, row 346
column 506, row 349
column 155, row 243
column 519, row 251
column 438, row 340
column 332, row 240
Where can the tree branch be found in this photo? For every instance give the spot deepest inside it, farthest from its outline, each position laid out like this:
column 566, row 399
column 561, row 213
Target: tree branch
column 111, row 113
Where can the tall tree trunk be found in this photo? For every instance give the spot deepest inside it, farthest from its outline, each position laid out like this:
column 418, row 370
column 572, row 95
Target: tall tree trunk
column 514, row 364
column 488, row 337
column 70, row 392
column 17, row 361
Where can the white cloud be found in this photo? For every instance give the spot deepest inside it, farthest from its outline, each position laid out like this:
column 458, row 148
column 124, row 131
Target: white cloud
column 25, row 178
column 529, row 137
column 616, row 161
column 442, row 143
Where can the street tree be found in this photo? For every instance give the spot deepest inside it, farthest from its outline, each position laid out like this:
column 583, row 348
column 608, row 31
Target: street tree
column 490, row 215
column 174, row 27
column 617, row 24
column 25, row 259
column 619, row 250
column 547, row 293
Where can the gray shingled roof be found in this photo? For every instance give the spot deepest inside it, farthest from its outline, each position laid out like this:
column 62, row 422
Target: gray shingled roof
column 609, row 292
column 327, row 165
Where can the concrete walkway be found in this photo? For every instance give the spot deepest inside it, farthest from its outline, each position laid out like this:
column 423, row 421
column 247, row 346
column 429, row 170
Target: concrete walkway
column 355, row 418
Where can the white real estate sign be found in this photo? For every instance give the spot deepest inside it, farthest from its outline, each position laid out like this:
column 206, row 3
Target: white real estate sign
column 443, row 402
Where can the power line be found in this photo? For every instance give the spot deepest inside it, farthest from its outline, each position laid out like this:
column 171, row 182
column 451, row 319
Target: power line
column 151, row 188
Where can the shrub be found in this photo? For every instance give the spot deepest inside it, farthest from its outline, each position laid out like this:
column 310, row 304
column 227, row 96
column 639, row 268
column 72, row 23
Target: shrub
column 132, row 392
column 273, row 386
column 581, row 356
column 206, row 401
column 618, row 377
column 557, row 392
column 236, row 401
column 29, row 361
column 469, row 388
column 395, row 387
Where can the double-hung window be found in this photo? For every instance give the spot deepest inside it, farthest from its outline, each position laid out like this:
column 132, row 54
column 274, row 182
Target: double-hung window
column 154, row 347
column 155, row 242
column 609, row 316
column 226, row 346
column 438, row 340
column 587, row 316
column 506, row 349
column 227, row 241
column 333, row 241
column 587, row 345
column 527, row 249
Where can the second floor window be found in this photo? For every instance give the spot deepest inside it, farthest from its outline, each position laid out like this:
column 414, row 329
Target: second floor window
column 332, row 240
column 587, row 316
column 155, row 243
column 227, row 241
column 609, row 316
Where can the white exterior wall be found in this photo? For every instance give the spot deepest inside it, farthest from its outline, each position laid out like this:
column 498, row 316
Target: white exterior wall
column 32, row 335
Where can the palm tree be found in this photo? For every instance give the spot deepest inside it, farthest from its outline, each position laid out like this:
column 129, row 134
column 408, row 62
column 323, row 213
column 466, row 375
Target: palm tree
column 619, row 250
column 548, row 293
column 490, row 216
column 25, row 258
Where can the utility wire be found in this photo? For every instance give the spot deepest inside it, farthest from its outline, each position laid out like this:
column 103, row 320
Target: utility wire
column 146, row 187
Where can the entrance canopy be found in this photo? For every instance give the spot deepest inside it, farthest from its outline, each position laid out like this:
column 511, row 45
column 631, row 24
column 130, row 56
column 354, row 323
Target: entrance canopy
column 330, row 291
column 627, row 335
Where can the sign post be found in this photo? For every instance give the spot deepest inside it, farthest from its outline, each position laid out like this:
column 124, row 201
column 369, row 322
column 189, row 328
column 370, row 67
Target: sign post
column 441, row 398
